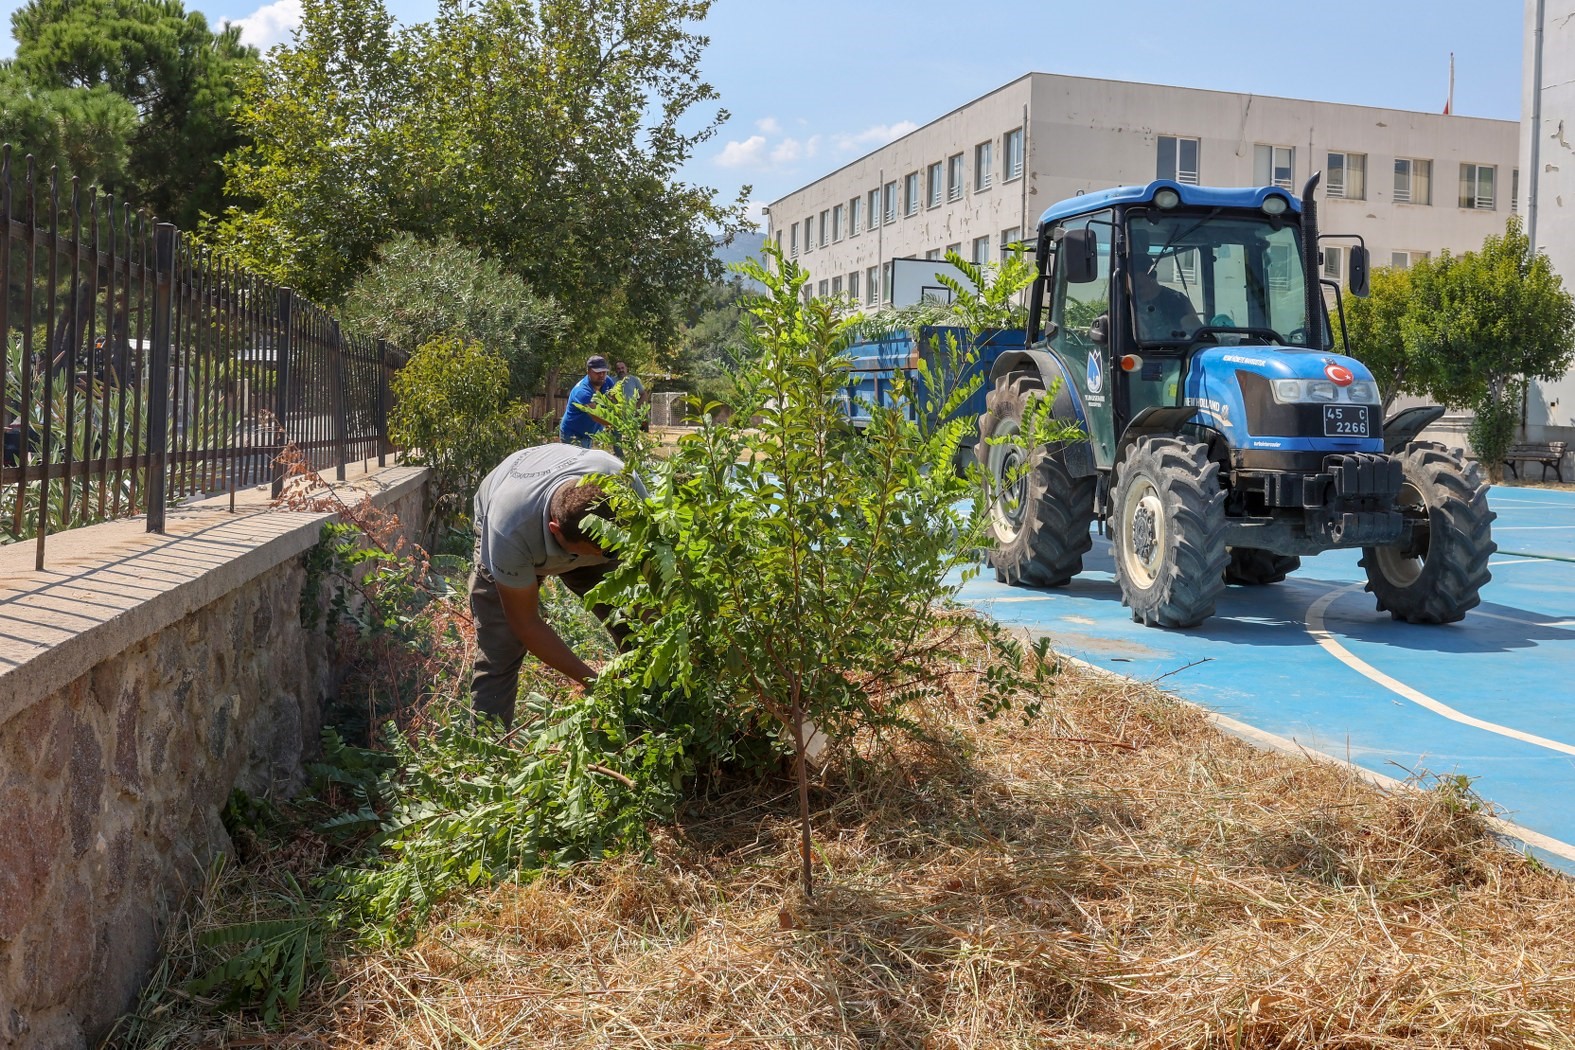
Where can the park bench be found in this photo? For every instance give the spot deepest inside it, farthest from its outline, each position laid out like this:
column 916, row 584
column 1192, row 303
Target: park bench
column 1547, row 453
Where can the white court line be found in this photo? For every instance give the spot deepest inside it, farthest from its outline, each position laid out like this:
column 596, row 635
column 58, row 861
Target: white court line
column 1517, row 561
column 1008, row 601
column 1327, row 642
column 1532, row 528
column 1274, row 742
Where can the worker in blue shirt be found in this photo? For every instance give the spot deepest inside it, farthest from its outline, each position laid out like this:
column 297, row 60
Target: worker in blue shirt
column 579, row 422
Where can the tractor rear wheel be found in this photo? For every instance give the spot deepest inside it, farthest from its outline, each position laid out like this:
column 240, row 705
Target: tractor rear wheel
column 1437, row 574
column 1252, row 567
column 1169, row 535
column 1039, row 516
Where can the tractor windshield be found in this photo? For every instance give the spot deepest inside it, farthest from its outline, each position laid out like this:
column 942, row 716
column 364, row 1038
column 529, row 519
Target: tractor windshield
column 1221, row 276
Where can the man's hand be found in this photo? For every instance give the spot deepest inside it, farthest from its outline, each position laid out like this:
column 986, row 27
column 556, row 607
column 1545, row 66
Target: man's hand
column 521, row 607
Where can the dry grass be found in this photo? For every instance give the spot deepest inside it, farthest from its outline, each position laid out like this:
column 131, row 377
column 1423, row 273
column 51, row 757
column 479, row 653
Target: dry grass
column 1117, row 874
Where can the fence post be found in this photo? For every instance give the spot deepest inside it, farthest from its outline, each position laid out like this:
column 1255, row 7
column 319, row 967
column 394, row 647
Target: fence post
column 281, row 396
column 337, row 392
column 382, row 402
column 165, row 240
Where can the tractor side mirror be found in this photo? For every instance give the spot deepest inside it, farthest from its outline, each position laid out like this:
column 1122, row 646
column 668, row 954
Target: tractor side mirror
column 1080, row 255
column 1359, row 283
column 1099, row 330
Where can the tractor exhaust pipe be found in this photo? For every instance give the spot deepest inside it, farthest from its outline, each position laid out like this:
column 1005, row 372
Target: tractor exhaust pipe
column 1310, row 263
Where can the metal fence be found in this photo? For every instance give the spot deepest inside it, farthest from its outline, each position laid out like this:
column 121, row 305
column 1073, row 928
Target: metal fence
column 142, row 369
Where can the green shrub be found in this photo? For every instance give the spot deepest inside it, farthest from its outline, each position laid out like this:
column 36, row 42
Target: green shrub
column 450, row 415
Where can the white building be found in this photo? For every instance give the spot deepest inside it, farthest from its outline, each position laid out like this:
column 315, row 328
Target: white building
column 979, row 177
column 1547, row 155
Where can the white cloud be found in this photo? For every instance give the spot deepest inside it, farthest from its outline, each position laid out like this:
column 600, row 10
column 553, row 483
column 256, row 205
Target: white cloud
column 768, row 125
column 787, row 151
column 747, row 154
column 878, row 135
column 756, row 210
column 270, row 24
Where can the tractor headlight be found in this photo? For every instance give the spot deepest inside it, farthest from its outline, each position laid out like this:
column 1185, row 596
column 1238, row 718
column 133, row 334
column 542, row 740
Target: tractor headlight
column 1362, row 392
column 1305, row 391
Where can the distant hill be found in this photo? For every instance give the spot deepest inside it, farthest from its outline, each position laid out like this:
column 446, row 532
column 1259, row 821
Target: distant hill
column 743, row 247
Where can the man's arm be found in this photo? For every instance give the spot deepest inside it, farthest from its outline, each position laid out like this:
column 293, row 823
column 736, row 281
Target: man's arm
column 520, row 606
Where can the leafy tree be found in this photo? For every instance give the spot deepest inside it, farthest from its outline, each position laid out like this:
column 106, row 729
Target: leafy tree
column 711, row 344
column 417, row 291
column 548, row 133
column 84, row 133
column 182, row 78
column 1472, row 331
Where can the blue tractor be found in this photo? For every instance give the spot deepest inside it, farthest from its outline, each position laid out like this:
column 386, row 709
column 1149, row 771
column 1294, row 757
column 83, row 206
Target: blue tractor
column 1185, row 329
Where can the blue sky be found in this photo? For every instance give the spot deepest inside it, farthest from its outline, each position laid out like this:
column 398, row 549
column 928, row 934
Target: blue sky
column 813, row 84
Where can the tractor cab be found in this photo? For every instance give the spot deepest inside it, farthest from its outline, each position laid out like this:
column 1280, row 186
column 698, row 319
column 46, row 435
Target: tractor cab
column 1135, row 281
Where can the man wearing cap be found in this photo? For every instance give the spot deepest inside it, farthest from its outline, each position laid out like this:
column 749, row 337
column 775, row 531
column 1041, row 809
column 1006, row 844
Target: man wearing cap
column 530, row 515
column 579, row 423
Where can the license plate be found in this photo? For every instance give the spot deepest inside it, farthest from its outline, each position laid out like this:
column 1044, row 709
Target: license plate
column 1352, row 421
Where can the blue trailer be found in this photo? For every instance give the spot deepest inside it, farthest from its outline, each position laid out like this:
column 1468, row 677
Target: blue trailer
column 878, row 361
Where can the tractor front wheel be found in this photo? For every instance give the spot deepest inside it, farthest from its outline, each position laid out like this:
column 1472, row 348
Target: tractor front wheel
column 1039, row 512
column 1169, row 536
column 1438, row 572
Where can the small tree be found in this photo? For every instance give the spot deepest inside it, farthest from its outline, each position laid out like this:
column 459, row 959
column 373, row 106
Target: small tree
column 449, row 414
column 784, row 574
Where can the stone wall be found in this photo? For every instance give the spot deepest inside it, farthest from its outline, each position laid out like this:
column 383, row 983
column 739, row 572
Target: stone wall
column 142, row 680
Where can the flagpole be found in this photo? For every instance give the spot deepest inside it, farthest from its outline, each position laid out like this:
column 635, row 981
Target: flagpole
column 1449, row 106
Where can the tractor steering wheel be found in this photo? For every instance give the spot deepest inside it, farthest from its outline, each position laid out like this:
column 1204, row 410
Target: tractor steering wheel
column 1214, row 331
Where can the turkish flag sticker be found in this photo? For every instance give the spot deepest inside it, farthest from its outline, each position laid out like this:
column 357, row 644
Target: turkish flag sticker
column 1339, row 374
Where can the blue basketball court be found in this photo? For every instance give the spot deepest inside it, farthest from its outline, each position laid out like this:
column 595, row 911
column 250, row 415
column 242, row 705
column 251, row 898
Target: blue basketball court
column 1311, row 661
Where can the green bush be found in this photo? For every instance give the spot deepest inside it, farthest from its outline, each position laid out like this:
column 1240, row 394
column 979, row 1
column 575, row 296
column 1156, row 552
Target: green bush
column 450, row 414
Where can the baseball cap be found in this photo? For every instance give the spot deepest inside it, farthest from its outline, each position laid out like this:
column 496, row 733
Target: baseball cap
column 598, row 363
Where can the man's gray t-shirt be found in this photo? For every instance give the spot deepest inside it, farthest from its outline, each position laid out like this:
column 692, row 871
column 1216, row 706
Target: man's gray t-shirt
column 513, row 505
column 631, row 387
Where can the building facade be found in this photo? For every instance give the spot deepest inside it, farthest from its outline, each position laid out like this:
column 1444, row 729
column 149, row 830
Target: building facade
column 978, row 178
column 1547, row 144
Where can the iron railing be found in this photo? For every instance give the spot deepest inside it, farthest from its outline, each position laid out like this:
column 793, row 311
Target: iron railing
column 142, row 369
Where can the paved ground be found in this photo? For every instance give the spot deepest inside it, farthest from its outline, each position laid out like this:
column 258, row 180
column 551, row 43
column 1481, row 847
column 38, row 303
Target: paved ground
column 1492, row 697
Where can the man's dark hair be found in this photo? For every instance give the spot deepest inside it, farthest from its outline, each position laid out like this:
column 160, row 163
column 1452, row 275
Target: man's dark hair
column 572, row 502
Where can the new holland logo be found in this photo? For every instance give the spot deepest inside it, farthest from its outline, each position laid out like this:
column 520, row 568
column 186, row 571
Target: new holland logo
column 1096, row 377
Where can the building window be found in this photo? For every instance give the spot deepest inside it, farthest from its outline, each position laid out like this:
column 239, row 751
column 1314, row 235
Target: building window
column 874, row 209
column 1334, row 263
column 1413, row 181
column 1347, row 176
column 793, row 241
column 853, row 216
column 1178, row 160
column 853, row 286
column 933, row 186
column 807, row 292
column 954, row 177
column 953, row 249
column 1012, row 146
column 890, row 201
column 983, row 166
column 836, row 285
column 1274, row 166
column 981, row 250
column 1009, row 237
column 1405, row 260
column 825, row 224
column 871, row 286
column 1476, row 186
column 838, row 221
column 910, row 193
column 824, row 288
column 1514, row 191
column 809, row 232
column 933, row 253
column 885, row 277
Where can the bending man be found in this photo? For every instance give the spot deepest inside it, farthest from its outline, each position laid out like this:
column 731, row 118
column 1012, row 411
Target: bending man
column 530, row 513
